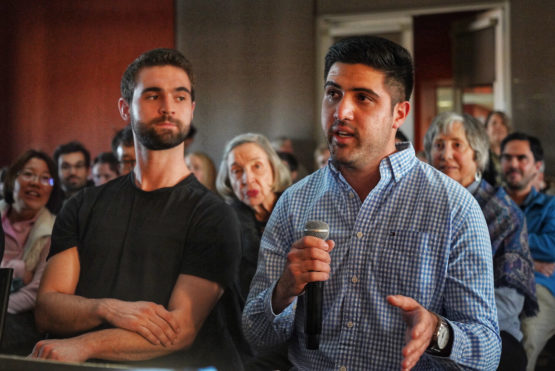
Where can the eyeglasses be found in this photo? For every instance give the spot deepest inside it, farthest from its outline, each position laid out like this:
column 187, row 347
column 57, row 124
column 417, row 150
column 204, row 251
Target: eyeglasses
column 29, row 176
column 77, row 166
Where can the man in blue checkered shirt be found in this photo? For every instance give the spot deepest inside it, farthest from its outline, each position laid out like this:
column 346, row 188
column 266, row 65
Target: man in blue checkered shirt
column 407, row 267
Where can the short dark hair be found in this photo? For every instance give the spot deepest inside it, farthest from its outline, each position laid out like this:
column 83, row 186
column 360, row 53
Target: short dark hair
column 123, row 137
column 153, row 58
column 381, row 54
column 73, row 146
column 108, row 158
column 56, row 196
column 290, row 159
column 535, row 144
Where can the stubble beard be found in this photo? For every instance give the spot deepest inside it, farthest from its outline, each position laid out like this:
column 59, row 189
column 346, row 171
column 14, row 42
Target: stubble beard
column 336, row 160
column 523, row 184
column 149, row 137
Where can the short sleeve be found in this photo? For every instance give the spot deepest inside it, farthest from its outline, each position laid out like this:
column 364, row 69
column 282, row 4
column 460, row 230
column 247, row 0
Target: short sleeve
column 213, row 249
column 65, row 233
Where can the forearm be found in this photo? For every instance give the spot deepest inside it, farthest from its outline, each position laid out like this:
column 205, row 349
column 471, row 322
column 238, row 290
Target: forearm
column 261, row 326
column 66, row 314
column 123, row 345
column 542, row 246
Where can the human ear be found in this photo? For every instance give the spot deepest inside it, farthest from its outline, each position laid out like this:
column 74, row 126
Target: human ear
column 400, row 113
column 123, row 107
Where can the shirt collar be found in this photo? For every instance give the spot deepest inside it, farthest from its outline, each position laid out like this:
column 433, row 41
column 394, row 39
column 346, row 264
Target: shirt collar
column 534, row 197
column 395, row 166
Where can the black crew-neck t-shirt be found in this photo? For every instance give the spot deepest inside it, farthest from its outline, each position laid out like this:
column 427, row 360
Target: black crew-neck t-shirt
column 133, row 245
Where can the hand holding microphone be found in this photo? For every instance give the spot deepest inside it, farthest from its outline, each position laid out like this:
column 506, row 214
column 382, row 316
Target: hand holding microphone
column 314, row 291
column 307, row 261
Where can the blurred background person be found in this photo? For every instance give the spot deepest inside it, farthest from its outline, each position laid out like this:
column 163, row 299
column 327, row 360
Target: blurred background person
column 105, row 168
column 73, row 161
column 497, row 128
column 284, row 144
column 123, row 147
column 32, row 196
column 251, row 178
column 321, row 156
column 203, row 167
column 457, row 145
column 292, row 164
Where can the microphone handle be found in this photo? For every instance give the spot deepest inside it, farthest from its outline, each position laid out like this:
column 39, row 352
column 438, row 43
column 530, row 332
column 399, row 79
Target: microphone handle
column 313, row 318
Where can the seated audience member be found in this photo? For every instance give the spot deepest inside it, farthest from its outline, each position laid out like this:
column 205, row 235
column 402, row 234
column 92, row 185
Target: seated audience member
column 521, row 159
column 457, row 145
column 406, row 271
column 285, row 144
column 145, row 267
column 123, row 147
column 321, row 156
column 202, row 166
column 73, row 161
column 190, row 138
column 497, row 127
column 292, row 164
column 105, row 168
column 32, row 197
column 251, row 178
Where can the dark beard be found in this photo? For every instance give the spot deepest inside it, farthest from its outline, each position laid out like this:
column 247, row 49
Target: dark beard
column 151, row 139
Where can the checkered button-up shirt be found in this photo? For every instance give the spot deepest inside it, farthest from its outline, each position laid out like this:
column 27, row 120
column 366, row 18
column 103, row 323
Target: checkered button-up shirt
column 418, row 233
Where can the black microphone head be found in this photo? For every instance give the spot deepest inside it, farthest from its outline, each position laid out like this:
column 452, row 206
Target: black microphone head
column 317, row 228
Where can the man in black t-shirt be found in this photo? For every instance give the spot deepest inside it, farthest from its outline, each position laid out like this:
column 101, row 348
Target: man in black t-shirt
column 144, row 267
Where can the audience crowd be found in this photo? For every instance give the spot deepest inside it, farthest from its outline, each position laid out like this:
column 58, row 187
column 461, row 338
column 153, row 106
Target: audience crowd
column 225, row 213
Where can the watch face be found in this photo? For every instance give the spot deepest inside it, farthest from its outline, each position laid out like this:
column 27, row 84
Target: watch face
column 442, row 336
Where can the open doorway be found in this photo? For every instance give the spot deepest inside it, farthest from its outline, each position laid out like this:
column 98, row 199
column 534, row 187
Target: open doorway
column 460, row 54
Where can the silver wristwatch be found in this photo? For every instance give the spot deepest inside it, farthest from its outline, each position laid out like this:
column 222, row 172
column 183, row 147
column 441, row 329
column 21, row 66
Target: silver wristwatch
column 440, row 339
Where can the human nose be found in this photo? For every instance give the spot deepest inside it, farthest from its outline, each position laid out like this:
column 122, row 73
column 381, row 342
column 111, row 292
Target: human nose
column 247, row 176
column 344, row 109
column 446, row 152
column 166, row 105
column 34, row 179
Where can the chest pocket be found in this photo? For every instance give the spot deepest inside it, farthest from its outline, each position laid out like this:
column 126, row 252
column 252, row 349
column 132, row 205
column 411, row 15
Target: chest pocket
column 407, row 263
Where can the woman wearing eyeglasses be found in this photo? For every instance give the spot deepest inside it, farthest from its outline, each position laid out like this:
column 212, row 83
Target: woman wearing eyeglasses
column 32, row 195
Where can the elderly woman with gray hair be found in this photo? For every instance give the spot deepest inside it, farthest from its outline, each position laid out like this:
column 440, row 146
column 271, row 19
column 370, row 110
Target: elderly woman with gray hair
column 458, row 146
column 251, row 179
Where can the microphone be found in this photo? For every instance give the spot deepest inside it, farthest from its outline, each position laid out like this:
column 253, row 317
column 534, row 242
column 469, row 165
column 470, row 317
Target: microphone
column 314, row 291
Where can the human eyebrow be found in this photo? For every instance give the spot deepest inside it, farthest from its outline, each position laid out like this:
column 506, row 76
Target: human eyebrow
column 151, row 90
column 367, row 91
column 182, row 88
column 332, row 84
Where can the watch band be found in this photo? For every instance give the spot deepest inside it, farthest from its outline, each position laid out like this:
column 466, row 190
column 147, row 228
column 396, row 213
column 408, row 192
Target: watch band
column 442, row 329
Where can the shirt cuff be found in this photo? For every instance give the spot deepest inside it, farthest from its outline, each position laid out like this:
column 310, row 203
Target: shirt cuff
column 282, row 321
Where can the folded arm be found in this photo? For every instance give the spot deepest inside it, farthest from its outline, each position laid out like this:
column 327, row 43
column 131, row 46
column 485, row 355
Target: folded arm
column 192, row 300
